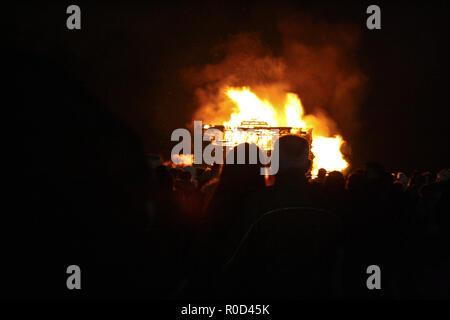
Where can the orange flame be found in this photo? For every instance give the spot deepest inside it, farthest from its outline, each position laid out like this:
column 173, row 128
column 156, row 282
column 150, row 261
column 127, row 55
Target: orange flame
column 249, row 106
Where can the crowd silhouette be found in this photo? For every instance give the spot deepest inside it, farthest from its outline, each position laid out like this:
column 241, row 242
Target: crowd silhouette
column 87, row 194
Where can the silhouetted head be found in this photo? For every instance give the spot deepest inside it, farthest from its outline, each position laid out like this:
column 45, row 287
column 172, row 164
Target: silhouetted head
column 322, row 173
column 192, row 172
column 428, row 177
column 402, row 178
column 242, row 176
column 335, row 180
column 293, row 155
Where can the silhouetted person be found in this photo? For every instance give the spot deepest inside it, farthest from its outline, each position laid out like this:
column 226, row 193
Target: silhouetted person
column 335, row 181
column 291, row 187
column 230, row 212
column 84, row 188
column 321, row 176
column 371, row 233
column 290, row 251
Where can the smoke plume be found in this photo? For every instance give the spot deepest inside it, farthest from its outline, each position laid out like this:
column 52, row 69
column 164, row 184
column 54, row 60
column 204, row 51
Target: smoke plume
column 316, row 60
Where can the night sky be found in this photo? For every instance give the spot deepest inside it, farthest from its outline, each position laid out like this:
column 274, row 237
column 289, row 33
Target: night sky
column 133, row 57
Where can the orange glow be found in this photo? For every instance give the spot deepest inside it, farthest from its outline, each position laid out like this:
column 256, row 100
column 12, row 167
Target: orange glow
column 327, row 154
column 253, row 111
column 250, row 108
column 183, row 159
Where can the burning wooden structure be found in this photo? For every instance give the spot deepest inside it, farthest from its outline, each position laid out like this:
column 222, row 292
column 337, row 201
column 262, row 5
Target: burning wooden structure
column 255, row 131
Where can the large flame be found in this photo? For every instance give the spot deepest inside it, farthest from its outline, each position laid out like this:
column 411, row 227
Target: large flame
column 249, row 106
column 327, row 154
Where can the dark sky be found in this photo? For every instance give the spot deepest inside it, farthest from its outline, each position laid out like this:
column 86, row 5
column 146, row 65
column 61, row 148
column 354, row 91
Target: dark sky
column 132, row 57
